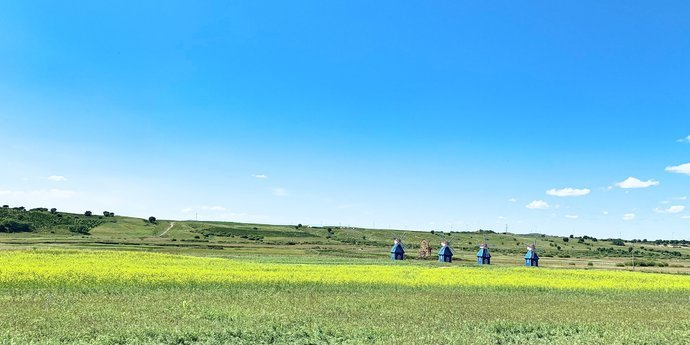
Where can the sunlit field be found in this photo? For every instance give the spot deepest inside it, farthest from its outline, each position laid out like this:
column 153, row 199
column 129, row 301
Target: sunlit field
column 110, row 297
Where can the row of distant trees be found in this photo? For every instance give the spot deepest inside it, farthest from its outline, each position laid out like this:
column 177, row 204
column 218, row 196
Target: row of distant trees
column 53, row 210
column 105, row 213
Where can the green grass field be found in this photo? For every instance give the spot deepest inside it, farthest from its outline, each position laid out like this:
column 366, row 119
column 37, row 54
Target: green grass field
column 108, row 297
column 132, row 282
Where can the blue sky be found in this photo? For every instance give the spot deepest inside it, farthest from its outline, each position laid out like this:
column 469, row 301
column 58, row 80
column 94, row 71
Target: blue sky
column 420, row 115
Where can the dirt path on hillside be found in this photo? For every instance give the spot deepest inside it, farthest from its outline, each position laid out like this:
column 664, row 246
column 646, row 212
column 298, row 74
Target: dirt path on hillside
column 168, row 229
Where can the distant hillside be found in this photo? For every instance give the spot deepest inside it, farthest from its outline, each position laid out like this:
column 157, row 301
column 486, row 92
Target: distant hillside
column 44, row 227
column 18, row 219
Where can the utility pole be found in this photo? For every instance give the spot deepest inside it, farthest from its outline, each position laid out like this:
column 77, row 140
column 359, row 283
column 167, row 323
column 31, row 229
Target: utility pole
column 632, row 255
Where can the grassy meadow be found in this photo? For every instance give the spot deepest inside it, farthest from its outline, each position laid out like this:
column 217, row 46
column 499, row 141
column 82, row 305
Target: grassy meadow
column 121, row 280
column 118, row 297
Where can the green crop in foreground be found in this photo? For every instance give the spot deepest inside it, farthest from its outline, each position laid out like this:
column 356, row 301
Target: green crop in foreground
column 102, row 297
column 105, row 268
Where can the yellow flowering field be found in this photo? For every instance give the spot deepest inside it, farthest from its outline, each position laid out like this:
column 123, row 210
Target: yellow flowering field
column 118, row 268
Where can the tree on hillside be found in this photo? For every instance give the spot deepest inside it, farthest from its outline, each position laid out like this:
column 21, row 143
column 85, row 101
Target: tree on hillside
column 53, row 210
column 152, row 219
column 79, row 228
column 14, row 226
column 617, row 242
column 88, row 213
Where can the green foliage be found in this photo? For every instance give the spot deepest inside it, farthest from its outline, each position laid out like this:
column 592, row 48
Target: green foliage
column 249, row 232
column 40, row 219
column 9, row 225
column 79, row 228
column 617, row 242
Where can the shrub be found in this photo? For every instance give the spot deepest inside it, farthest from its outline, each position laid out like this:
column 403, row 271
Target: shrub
column 15, row 226
column 79, row 228
column 88, row 213
column 617, row 242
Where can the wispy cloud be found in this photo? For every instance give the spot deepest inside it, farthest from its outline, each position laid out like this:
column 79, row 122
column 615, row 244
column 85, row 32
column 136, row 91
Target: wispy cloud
column 57, row 178
column 538, row 205
column 671, row 210
column 684, row 140
column 566, row 192
column 571, row 216
column 633, row 182
column 512, row 200
column 280, row 192
column 187, row 210
column 628, row 216
column 685, row 217
column 679, row 169
column 260, row 176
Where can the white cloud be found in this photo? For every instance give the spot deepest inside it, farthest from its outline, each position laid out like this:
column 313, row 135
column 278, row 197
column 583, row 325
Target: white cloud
column 671, row 210
column 570, row 216
column 632, row 182
column 568, row 192
column 606, row 213
column 684, row 140
column 57, row 178
column 280, row 192
column 512, row 200
column 187, row 210
column 685, row 217
column 681, row 198
column 260, row 176
column 628, row 216
column 679, row 169
column 538, row 205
